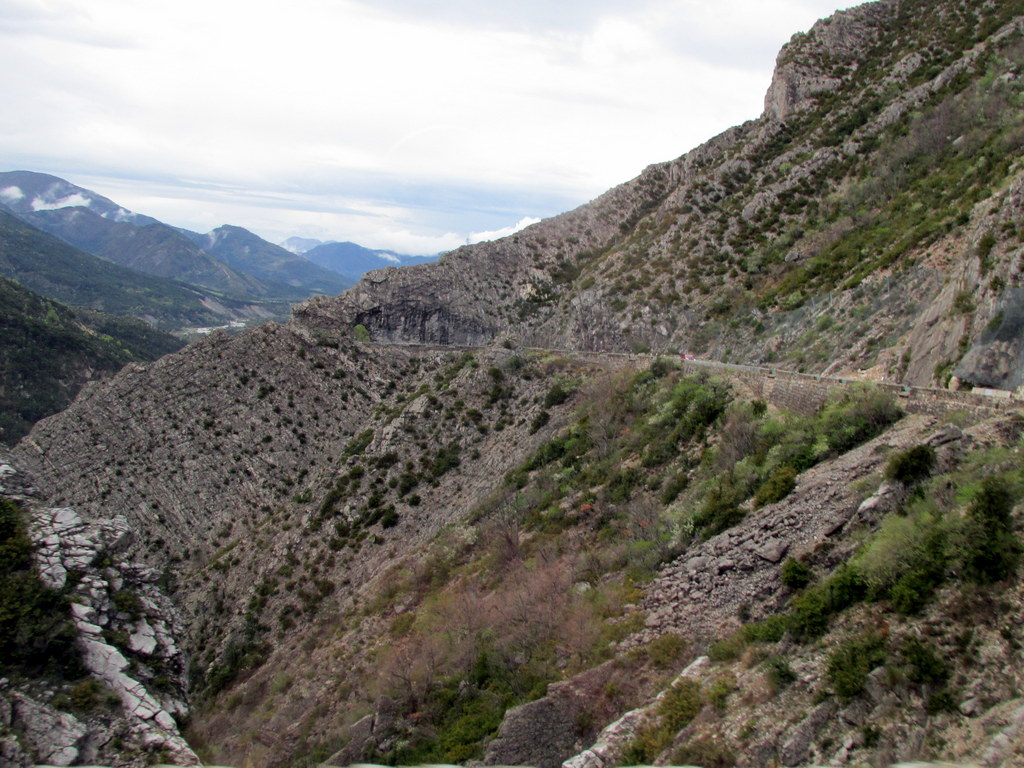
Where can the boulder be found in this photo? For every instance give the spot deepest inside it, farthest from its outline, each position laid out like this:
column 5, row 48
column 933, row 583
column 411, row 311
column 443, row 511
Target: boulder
column 773, row 550
column 55, row 737
column 540, row 733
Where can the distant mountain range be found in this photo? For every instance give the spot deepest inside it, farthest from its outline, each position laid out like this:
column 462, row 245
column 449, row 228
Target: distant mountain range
column 241, row 267
column 240, row 249
column 57, row 270
column 353, row 261
column 87, row 285
column 223, row 276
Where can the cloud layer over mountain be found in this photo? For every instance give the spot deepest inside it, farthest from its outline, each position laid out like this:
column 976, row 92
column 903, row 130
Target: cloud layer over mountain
column 401, row 124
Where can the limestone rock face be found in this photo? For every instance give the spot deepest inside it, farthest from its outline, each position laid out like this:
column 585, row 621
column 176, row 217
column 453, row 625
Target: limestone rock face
column 539, row 733
column 800, row 71
column 123, row 599
column 113, row 600
column 55, row 737
column 611, row 744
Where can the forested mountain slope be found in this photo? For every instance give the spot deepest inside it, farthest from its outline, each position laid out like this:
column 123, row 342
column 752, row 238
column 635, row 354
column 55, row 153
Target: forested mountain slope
column 48, row 351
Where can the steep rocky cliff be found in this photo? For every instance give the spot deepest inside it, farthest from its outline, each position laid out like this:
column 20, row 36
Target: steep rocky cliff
column 380, row 546
column 118, row 688
column 858, row 213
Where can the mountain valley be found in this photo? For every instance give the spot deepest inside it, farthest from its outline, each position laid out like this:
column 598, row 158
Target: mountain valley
column 722, row 468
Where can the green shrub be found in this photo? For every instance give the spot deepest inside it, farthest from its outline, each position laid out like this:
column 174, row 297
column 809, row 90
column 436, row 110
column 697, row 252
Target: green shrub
column 644, row 747
column 127, row 601
column 809, row 615
column 769, row 630
column 923, row 664
column 851, row 663
column 941, row 700
column 780, row 674
column 857, row 417
column 728, row 648
column 445, row 459
column 539, row 422
column 991, row 550
column 963, row 303
column 390, row 517
column 36, row 634
column 912, row 590
column 681, row 703
column 810, row 612
column 777, row 487
column 666, row 650
column 621, row 484
column 719, row 691
column 911, row 466
column 796, row 574
column 358, row 443
column 845, row 587
column 721, row 508
column 557, row 395
column 707, row 751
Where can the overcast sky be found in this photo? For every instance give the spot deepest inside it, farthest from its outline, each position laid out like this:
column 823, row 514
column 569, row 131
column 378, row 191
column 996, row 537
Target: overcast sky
column 414, row 125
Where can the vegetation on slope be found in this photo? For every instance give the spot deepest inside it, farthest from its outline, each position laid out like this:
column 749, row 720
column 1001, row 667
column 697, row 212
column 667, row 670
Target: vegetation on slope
column 47, row 351
column 541, row 581
column 37, row 638
column 923, row 612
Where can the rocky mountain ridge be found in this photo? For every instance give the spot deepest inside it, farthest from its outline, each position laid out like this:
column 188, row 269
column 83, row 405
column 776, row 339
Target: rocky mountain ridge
column 742, row 248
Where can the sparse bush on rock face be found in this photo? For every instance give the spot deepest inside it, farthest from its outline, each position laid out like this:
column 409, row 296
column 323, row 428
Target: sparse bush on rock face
column 795, row 574
column 706, row 752
column 680, row 704
column 666, row 650
column 776, row 487
column 911, row 466
column 850, row 664
column 991, row 549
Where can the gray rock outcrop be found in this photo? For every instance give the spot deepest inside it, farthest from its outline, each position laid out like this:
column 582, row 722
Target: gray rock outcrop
column 67, row 544
column 118, row 613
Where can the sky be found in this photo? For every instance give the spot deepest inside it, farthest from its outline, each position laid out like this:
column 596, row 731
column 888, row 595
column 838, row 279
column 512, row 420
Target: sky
column 409, row 125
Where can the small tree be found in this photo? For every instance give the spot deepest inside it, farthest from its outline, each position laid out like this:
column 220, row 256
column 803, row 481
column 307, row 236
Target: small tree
column 796, row 574
column 911, row 466
column 991, row 549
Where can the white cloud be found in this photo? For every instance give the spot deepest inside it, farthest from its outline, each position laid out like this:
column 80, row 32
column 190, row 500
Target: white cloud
column 75, row 199
column 11, row 194
column 497, row 234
